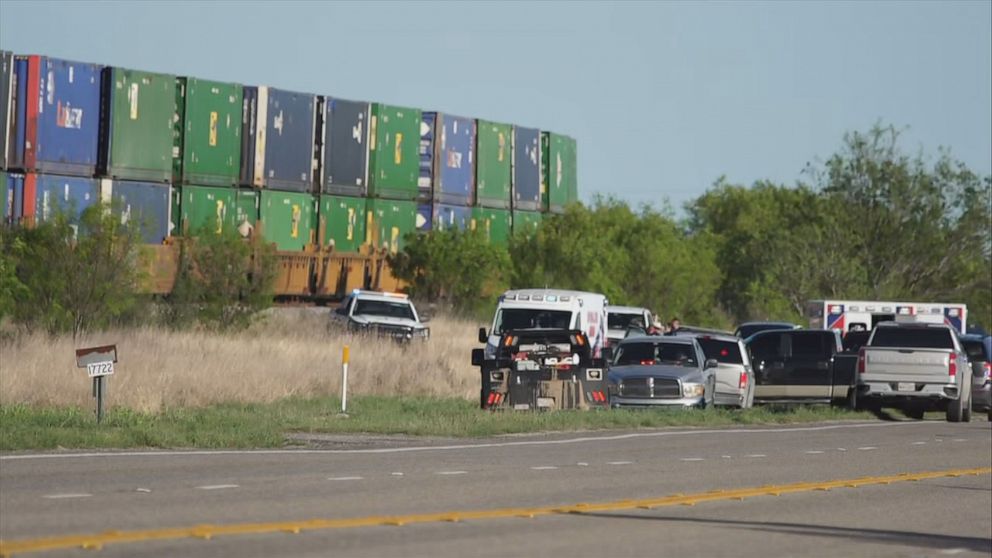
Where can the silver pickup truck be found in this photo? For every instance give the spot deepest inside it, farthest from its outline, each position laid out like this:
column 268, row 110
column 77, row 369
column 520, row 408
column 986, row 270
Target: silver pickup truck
column 917, row 368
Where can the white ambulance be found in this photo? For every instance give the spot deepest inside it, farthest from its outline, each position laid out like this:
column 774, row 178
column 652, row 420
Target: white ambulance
column 548, row 309
column 854, row 315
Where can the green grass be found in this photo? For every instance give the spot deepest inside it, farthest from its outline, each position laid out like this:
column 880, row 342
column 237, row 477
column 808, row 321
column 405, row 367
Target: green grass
column 267, row 425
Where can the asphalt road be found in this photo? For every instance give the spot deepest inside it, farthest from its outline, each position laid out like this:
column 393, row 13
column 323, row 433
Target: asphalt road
column 62, row 494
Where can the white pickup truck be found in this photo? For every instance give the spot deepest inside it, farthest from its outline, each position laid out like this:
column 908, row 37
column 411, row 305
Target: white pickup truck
column 917, row 368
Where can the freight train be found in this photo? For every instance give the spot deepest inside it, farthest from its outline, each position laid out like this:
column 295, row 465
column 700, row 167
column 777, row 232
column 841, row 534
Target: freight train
column 333, row 184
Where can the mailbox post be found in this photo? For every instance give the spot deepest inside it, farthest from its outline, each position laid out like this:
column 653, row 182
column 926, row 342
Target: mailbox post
column 99, row 363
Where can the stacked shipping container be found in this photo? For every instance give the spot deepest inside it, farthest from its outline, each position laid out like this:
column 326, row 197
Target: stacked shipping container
column 186, row 154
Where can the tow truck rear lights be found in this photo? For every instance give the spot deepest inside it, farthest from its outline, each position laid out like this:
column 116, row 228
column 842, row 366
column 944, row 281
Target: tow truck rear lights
column 494, row 398
column 647, row 361
column 952, row 365
column 861, row 361
column 510, row 341
column 579, row 339
column 598, row 397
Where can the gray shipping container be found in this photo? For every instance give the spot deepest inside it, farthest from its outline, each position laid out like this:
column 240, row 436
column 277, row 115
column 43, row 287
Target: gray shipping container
column 345, row 157
column 278, row 139
column 526, row 178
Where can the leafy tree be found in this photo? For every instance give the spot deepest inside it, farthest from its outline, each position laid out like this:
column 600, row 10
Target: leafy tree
column 457, row 268
column 223, row 282
column 71, row 276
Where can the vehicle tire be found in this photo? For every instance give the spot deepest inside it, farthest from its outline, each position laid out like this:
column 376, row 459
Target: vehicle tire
column 990, row 413
column 955, row 410
column 966, row 414
column 915, row 411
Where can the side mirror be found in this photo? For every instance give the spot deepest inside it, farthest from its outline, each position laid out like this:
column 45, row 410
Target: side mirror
column 483, row 336
column 607, row 354
column 478, row 355
column 711, row 363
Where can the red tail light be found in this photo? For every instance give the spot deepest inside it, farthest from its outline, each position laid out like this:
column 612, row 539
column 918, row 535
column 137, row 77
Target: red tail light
column 861, row 361
column 743, row 381
column 952, row 365
column 598, row 397
column 647, row 362
column 988, row 370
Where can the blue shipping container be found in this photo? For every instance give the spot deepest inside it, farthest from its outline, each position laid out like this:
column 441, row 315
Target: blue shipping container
column 345, row 160
column 15, row 185
column 425, row 180
column 7, row 201
column 448, row 217
column 526, row 169
column 424, row 220
column 282, row 136
column 16, row 160
column 63, row 137
column 447, row 161
column 67, row 194
column 147, row 204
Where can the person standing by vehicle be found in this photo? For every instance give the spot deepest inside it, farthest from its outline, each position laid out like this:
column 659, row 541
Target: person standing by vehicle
column 673, row 325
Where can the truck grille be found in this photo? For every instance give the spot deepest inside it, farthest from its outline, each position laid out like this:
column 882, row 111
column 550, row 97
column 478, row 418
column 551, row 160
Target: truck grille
column 650, row 388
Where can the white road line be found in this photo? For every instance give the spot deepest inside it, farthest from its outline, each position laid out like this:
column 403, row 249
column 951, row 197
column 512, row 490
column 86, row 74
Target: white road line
column 145, row 490
column 544, row 468
column 811, row 452
column 619, row 462
column 725, row 456
column 952, row 551
column 451, row 473
column 919, row 443
column 217, row 486
column 868, row 448
column 578, row 440
column 582, row 464
column 841, row 449
column 396, row 474
column 344, row 478
column 62, row 496
column 692, row 459
column 960, row 439
column 757, row 455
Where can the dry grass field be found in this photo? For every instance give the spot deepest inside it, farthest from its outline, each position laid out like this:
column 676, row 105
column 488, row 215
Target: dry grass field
column 289, row 353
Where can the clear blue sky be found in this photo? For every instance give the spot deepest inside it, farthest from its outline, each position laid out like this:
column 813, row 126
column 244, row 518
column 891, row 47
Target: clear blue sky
column 663, row 98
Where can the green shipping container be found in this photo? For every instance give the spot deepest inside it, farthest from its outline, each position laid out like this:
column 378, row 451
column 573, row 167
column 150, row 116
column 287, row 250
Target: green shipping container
column 561, row 172
column 494, row 223
column 207, row 132
column 207, row 209
column 246, row 210
column 343, row 222
column 526, row 222
column 394, row 152
column 138, row 135
column 493, row 151
column 389, row 221
column 545, row 154
column 288, row 219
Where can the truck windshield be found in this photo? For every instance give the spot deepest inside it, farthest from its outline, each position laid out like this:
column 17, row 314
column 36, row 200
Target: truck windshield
column 655, row 353
column 726, row 352
column 384, row 308
column 923, row 338
column 508, row 319
column 621, row 321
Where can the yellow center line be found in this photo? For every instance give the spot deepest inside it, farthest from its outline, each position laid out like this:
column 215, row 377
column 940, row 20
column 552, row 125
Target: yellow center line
column 207, row 531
